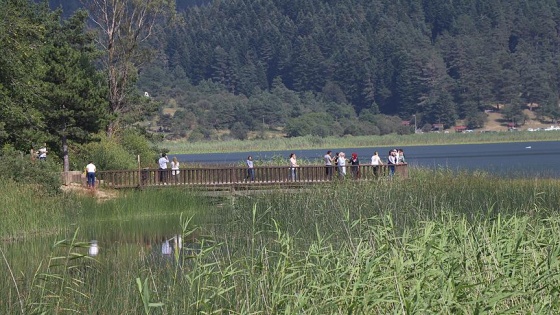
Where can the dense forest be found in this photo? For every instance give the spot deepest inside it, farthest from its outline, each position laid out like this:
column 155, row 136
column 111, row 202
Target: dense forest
column 342, row 67
column 238, row 68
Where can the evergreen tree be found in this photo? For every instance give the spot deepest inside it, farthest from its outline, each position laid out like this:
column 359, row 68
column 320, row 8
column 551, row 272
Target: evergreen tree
column 74, row 90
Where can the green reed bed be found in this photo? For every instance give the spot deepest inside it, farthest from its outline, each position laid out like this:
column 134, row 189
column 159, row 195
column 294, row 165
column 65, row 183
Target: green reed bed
column 392, row 140
column 438, row 242
column 126, row 226
column 28, row 210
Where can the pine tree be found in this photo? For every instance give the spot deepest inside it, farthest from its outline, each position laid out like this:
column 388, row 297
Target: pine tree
column 74, row 90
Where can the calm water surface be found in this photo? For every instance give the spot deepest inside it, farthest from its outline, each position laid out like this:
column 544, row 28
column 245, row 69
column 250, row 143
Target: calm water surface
column 509, row 159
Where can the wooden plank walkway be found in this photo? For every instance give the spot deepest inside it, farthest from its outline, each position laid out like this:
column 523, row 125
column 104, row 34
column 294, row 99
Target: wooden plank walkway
column 220, row 177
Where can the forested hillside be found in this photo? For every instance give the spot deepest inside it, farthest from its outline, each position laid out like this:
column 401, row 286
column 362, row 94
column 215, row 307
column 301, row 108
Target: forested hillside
column 352, row 66
column 305, row 65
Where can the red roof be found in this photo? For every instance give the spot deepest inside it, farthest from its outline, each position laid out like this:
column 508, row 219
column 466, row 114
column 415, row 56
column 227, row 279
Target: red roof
column 460, row 128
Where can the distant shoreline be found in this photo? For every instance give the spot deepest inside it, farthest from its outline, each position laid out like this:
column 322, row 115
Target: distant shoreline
column 393, row 140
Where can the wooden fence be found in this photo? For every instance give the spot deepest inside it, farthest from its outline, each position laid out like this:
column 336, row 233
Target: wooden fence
column 232, row 176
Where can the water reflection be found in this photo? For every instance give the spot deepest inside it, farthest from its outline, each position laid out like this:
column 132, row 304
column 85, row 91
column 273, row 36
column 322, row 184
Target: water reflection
column 93, row 248
column 173, row 244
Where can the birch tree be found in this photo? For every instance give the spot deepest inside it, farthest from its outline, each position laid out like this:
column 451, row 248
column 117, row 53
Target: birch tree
column 124, row 28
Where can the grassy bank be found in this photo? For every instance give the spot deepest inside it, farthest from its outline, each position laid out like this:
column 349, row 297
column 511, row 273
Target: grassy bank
column 393, row 140
column 436, row 243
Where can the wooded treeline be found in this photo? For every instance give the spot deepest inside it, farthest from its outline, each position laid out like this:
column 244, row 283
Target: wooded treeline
column 350, row 60
column 55, row 82
column 296, row 67
column 50, row 88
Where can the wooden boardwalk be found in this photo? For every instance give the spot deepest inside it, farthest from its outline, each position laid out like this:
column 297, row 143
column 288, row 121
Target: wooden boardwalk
column 224, row 177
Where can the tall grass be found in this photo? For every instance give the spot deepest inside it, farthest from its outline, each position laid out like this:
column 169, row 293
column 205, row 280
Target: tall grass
column 28, row 210
column 392, row 140
column 438, row 242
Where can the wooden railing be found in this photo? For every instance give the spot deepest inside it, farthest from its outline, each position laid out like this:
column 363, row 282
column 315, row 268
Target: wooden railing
column 216, row 176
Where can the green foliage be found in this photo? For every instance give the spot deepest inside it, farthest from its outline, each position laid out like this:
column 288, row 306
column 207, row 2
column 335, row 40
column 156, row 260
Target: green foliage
column 445, row 61
column 118, row 152
column 22, row 168
column 318, row 124
column 106, row 154
column 449, row 243
column 136, row 143
column 239, row 131
column 144, row 291
column 61, row 284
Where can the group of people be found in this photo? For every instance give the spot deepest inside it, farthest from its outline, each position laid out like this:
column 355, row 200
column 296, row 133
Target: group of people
column 339, row 162
column 163, row 171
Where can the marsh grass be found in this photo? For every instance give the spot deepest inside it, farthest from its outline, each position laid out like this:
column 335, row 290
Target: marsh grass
column 314, row 142
column 438, row 242
column 28, row 210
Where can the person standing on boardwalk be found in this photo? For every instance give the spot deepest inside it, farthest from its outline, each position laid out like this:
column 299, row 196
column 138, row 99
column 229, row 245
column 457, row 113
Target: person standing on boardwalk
column 355, row 162
column 90, row 175
column 375, row 162
column 175, row 169
column 250, row 169
column 400, row 157
column 391, row 161
column 328, row 165
column 341, row 164
column 335, row 162
column 293, row 166
column 163, row 160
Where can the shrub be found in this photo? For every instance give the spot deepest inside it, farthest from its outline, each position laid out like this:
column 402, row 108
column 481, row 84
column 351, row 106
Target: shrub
column 19, row 167
column 107, row 154
column 137, row 144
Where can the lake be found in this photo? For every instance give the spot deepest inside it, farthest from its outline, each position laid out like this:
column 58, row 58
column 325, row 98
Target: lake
column 508, row 159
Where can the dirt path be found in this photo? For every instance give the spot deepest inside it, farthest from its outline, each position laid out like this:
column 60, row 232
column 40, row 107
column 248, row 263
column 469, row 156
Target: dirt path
column 99, row 194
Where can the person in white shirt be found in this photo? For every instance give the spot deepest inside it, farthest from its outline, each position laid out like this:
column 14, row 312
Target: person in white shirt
column 375, row 162
column 90, row 175
column 175, row 169
column 250, row 169
column 341, row 164
column 328, row 165
column 43, row 153
column 163, row 160
column 293, row 166
column 391, row 161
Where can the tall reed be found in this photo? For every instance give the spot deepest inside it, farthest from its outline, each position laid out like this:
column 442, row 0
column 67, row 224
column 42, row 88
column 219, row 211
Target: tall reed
column 438, row 242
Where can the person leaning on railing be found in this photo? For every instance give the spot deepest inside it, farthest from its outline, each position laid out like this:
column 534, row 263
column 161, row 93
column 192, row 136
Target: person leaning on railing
column 392, row 160
column 175, row 169
column 90, row 175
column 375, row 162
